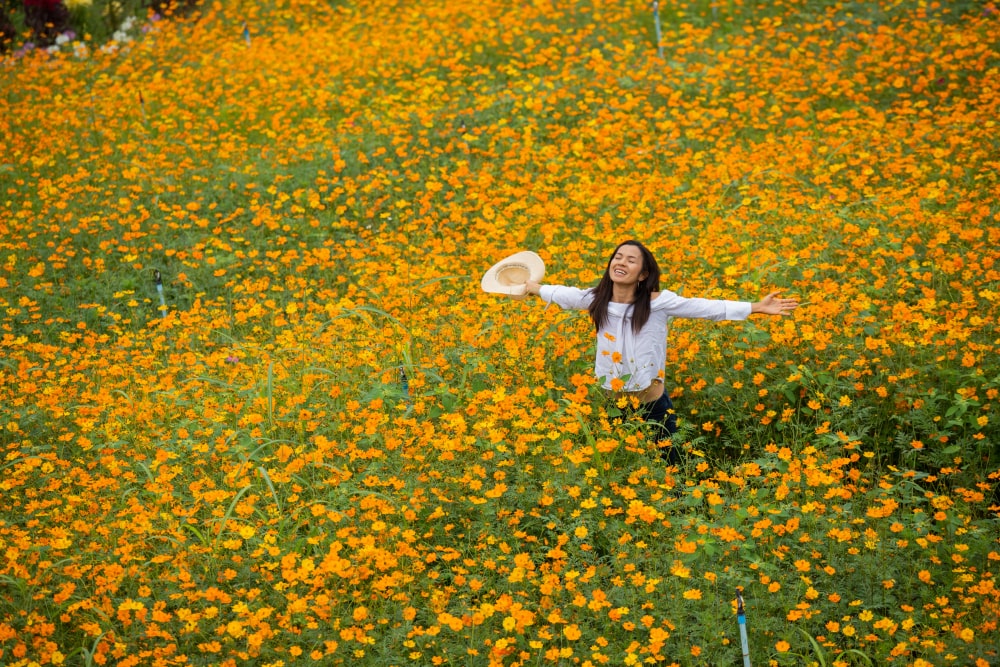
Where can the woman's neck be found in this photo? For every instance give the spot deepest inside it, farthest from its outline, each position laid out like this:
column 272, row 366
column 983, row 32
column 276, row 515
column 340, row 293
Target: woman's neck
column 623, row 294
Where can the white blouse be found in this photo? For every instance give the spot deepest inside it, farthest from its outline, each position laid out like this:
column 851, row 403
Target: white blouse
column 639, row 358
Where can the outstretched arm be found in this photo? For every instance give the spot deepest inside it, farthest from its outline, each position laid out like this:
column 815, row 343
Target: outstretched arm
column 569, row 298
column 773, row 305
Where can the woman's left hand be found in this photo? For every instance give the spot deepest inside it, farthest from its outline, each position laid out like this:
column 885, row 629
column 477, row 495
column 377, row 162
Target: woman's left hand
column 773, row 305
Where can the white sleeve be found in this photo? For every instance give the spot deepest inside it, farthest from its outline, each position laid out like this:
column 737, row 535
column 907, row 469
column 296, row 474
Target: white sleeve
column 569, row 298
column 706, row 309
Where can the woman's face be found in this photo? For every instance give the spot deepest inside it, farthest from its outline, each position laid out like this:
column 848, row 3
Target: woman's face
column 626, row 267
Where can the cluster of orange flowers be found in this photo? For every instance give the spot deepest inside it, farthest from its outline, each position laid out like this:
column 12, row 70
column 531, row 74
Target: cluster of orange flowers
column 317, row 441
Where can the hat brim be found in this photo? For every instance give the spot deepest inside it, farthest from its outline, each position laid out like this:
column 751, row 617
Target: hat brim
column 509, row 275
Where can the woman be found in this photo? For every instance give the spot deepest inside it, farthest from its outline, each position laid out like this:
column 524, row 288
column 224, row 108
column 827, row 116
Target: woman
column 630, row 314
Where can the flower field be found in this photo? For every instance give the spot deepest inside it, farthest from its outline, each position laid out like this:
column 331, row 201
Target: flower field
column 257, row 410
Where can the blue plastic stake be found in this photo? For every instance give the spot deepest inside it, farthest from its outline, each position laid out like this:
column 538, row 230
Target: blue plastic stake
column 742, row 618
column 159, row 290
column 659, row 34
column 142, row 105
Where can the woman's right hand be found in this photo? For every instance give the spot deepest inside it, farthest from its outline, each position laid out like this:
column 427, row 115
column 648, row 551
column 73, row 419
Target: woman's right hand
column 531, row 287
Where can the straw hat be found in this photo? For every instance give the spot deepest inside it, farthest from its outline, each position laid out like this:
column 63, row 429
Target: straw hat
column 509, row 275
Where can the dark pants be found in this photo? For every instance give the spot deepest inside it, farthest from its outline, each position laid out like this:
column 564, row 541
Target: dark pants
column 662, row 422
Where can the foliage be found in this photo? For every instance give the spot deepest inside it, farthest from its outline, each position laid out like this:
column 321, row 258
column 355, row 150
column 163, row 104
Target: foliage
column 77, row 25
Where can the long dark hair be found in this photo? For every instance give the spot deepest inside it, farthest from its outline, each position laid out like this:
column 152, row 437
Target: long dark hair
column 641, row 307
